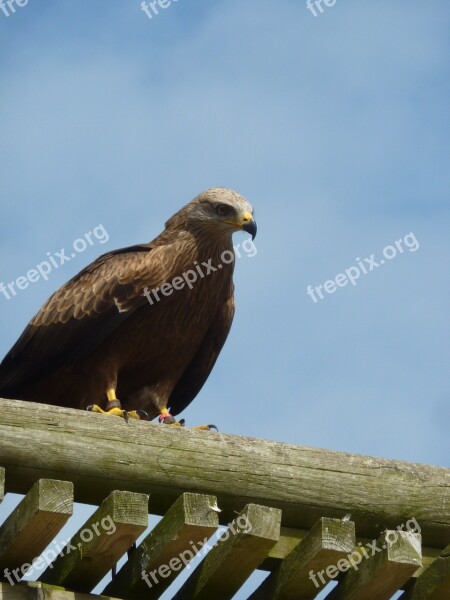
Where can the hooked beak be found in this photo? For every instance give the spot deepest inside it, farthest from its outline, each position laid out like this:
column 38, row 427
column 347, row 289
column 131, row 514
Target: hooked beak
column 246, row 223
column 249, row 224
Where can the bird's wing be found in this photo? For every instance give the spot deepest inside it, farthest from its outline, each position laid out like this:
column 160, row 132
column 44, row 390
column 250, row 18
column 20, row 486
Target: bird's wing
column 198, row 370
column 83, row 312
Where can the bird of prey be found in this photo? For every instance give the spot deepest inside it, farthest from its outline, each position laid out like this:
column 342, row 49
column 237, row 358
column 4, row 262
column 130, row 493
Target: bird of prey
column 135, row 334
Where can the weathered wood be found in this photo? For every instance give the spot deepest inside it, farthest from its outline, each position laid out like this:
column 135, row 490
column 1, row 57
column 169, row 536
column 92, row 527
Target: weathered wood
column 433, row 583
column 174, row 541
column 296, row 578
column 2, row 483
column 33, row 524
column 239, row 551
column 100, row 543
column 395, row 557
column 39, row 591
column 95, row 452
column 290, row 538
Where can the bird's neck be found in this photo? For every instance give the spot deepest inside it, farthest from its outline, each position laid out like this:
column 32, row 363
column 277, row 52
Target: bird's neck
column 196, row 245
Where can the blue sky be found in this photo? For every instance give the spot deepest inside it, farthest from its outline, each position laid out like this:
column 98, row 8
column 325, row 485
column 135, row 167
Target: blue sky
column 334, row 127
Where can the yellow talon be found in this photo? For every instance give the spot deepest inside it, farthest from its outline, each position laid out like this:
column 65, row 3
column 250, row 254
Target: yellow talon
column 166, row 418
column 114, row 408
column 134, row 414
column 115, row 411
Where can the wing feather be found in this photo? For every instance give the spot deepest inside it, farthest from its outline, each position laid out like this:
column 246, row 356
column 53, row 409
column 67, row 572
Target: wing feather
column 82, row 313
column 198, row 370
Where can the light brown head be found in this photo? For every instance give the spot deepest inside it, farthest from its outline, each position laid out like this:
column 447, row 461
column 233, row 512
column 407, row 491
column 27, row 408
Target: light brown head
column 217, row 212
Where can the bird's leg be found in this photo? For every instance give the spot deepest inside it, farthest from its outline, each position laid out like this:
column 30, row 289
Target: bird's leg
column 166, row 418
column 114, row 407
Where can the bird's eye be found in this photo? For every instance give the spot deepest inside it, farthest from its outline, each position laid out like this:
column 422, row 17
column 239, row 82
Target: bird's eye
column 223, row 210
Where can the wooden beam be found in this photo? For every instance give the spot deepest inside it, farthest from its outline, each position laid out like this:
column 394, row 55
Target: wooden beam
column 96, row 452
column 290, row 538
column 100, row 543
column 35, row 590
column 394, row 558
column 433, row 583
column 328, row 541
column 173, row 542
column 33, row 524
column 239, row 551
column 2, row 483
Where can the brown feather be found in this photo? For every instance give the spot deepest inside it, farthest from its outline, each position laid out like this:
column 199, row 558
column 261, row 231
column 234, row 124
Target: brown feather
column 99, row 330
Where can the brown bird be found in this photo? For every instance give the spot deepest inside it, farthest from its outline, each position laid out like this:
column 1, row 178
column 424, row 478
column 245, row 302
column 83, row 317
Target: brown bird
column 143, row 324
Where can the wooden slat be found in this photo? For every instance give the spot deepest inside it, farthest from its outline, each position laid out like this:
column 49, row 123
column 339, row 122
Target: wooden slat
column 290, row 538
column 433, row 583
column 2, row 483
column 39, row 591
column 192, row 519
column 100, row 543
column 95, row 452
column 296, row 578
column 243, row 547
column 34, row 523
column 394, row 558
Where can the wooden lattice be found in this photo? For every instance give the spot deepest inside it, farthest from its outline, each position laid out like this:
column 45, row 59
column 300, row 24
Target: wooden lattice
column 285, row 508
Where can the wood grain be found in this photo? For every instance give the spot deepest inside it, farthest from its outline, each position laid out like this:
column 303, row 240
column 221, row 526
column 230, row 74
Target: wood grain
column 100, row 454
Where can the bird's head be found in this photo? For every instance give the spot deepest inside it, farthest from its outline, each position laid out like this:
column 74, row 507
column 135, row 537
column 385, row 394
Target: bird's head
column 217, row 212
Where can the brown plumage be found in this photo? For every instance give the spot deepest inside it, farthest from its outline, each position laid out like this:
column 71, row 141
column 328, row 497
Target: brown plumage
column 104, row 330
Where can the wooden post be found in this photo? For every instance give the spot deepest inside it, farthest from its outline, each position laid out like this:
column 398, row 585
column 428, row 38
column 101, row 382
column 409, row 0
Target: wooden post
column 31, row 527
column 2, row 483
column 174, row 541
column 33, row 590
column 300, row 575
column 290, row 538
column 100, row 543
column 239, row 551
column 434, row 582
column 391, row 562
column 95, row 452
